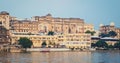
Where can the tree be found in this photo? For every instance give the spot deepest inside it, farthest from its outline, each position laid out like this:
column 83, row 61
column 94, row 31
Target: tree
column 101, row 43
column 50, row 33
column 93, row 32
column 117, row 45
column 104, row 35
column 112, row 33
column 110, row 46
column 109, row 34
column 93, row 45
column 90, row 32
column 25, row 42
column 43, row 44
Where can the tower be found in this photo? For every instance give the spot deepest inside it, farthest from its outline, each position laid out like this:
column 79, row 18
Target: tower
column 4, row 19
column 112, row 24
column 4, row 28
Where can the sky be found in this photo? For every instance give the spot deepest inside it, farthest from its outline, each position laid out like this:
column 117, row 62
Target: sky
column 94, row 12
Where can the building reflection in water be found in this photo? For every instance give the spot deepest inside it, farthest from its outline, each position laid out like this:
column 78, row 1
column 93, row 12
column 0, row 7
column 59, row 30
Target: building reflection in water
column 62, row 57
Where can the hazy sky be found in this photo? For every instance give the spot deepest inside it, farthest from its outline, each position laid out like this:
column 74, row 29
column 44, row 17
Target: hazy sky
column 92, row 11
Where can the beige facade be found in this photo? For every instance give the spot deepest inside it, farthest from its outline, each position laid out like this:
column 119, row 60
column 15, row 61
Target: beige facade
column 44, row 24
column 111, row 42
column 117, row 30
column 68, row 31
column 4, row 36
column 108, row 40
column 24, row 26
column 4, row 28
column 106, row 28
column 4, row 19
column 89, row 27
column 69, row 40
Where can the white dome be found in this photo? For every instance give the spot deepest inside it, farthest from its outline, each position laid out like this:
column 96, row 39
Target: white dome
column 112, row 24
column 101, row 25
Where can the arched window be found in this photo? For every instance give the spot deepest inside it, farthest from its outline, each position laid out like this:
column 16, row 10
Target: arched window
column 69, row 30
column 45, row 28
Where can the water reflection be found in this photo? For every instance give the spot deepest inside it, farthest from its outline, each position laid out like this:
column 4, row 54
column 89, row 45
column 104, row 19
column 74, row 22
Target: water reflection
column 106, row 57
column 62, row 57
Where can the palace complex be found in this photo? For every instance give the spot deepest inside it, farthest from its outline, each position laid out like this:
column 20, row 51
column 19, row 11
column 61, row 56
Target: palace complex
column 107, row 28
column 69, row 32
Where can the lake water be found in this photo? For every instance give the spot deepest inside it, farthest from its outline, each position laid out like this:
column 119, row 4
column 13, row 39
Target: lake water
column 62, row 57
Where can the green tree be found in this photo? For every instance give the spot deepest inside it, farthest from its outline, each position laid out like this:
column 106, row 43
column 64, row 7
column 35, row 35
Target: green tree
column 93, row 45
column 101, row 43
column 112, row 33
column 50, row 33
column 44, row 44
column 117, row 45
column 90, row 32
column 93, row 32
column 110, row 46
column 104, row 35
column 25, row 42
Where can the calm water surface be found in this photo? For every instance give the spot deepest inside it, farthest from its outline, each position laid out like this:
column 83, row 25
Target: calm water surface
column 62, row 57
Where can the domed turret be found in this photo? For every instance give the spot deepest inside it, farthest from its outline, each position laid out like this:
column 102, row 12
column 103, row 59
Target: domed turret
column 101, row 25
column 112, row 24
column 5, row 19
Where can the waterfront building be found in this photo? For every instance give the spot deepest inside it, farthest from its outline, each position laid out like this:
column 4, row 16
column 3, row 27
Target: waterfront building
column 107, row 28
column 5, row 19
column 78, row 41
column 68, row 40
column 117, row 30
column 108, row 40
column 4, row 28
column 4, row 36
column 67, row 31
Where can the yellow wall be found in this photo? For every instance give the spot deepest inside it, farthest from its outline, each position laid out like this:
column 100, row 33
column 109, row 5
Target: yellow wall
column 84, row 40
